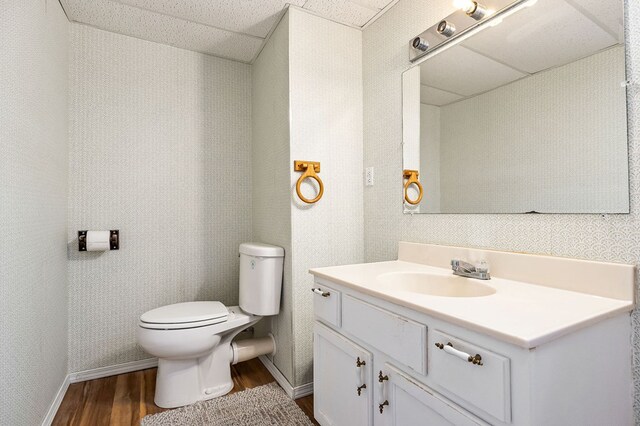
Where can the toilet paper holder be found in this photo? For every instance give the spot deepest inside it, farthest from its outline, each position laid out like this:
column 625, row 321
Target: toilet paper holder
column 114, row 240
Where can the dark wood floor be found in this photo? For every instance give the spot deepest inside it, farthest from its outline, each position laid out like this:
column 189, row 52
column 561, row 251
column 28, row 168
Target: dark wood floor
column 125, row 399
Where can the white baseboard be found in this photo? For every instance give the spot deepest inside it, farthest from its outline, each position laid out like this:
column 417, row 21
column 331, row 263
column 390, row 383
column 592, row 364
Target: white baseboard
column 55, row 404
column 112, row 370
column 293, row 392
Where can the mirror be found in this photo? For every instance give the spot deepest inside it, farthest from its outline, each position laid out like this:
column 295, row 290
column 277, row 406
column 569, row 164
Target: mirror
column 527, row 115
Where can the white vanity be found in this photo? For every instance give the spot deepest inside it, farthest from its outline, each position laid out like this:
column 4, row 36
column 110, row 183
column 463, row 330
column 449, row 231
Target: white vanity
column 545, row 341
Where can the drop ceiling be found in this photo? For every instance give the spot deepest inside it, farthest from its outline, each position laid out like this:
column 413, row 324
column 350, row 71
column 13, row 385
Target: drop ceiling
column 549, row 34
column 232, row 29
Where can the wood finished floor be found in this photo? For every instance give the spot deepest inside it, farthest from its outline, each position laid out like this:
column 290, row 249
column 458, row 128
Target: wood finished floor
column 125, row 399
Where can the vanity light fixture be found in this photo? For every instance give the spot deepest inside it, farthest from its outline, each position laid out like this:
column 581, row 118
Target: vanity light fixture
column 421, row 44
column 457, row 26
column 446, row 28
column 472, row 8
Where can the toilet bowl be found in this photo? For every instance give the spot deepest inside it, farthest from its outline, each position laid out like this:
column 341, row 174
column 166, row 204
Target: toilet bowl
column 193, row 340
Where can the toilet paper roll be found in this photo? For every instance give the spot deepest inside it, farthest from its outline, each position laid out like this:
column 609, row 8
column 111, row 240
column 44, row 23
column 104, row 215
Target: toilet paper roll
column 98, row 240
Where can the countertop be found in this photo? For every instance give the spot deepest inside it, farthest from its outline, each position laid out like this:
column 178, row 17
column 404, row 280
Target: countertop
column 526, row 315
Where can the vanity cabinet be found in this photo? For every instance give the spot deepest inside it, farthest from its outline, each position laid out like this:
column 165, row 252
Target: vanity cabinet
column 381, row 364
column 342, row 383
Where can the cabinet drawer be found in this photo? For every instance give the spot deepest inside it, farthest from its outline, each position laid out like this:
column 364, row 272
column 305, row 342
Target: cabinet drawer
column 486, row 386
column 399, row 337
column 326, row 304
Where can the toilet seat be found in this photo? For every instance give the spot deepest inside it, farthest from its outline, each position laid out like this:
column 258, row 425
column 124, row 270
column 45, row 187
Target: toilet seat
column 184, row 315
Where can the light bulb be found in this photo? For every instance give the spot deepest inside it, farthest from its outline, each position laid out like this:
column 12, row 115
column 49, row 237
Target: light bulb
column 464, row 5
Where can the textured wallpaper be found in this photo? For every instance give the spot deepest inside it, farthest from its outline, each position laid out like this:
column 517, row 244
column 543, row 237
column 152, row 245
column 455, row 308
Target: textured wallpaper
column 597, row 237
column 291, row 112
column 270, row 165
column 159, row 149
column 33, row 208
column 326, row 126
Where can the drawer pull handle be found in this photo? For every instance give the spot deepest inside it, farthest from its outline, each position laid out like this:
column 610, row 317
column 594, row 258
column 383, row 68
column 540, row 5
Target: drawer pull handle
column 360, row 372
column 320, row 292
column 381, row 380
column 363, row 386
column 448, row 348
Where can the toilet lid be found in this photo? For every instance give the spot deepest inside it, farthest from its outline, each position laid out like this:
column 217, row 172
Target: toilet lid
column 188, row 314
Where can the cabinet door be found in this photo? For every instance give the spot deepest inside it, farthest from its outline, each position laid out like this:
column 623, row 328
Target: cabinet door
column 342, row 380
column 401, row 401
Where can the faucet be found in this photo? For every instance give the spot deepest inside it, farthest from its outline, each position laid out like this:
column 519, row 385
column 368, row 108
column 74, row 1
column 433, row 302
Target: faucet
column 466, row 269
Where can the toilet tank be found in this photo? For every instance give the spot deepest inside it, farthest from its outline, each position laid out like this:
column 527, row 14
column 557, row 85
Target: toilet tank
column 260, row 278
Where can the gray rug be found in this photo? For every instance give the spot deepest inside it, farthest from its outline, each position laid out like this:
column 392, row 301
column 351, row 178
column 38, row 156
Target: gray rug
column 265, row 405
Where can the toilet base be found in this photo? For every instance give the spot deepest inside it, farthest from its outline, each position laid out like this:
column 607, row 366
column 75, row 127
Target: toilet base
column 181, row 382
column 184, row 381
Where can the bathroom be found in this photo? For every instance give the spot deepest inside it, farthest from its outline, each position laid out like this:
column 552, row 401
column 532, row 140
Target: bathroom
column 186, row 126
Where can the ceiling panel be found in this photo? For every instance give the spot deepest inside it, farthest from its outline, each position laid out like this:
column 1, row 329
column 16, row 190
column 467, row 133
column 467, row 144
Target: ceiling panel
column 464, row 72
column 135, row 22
column 233, row 29
column 252, row 17
column 342, row 11
column 609, row 14
column 550, row 33
column 373, row 4
column 437, row 97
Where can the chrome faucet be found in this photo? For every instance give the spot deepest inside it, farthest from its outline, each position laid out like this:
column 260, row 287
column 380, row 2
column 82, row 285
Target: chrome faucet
column 466, row 269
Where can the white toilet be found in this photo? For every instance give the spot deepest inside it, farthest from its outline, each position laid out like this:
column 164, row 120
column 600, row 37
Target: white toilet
column 192, row 340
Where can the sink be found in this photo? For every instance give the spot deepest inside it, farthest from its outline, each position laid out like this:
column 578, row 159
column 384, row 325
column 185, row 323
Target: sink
column 434, row 284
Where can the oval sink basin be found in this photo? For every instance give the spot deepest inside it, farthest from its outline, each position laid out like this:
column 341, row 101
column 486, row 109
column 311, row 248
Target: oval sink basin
column 434, row 285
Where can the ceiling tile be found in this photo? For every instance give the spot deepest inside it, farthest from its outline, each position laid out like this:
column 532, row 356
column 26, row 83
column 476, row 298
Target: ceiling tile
column 373, row 4
column 609, row 14
column 550, row 33
column 253, row 17
column 135, row 22
column 343, row 11
column 437, row 97
column 464, row 72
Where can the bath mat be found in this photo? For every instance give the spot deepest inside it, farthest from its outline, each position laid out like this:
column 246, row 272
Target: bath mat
column 265, row 405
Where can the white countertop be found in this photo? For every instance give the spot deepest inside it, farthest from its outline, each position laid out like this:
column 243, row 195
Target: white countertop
column 526, row 315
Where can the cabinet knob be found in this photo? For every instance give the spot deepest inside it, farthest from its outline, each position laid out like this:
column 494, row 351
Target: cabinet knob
column 384, row 404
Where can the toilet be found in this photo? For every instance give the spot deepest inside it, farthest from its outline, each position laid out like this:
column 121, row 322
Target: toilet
column 193, row 340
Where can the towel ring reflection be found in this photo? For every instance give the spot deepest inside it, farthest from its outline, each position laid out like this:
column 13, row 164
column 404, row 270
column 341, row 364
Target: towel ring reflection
column 310, row 168
column 412, row 178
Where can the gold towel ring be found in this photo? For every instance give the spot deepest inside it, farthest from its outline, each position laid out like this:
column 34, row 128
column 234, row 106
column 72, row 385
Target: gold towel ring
column 310, row 168
column 412, row 176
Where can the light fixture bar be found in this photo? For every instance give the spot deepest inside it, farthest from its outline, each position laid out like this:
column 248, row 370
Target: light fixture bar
column 461, row 24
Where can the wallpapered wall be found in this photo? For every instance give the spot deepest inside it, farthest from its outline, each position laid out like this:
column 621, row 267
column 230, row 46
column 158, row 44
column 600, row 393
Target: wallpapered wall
column 33, row 207
column 598, row 237
column 270, row 165
column 326, row 126
column 160, row 148
column 297, row 91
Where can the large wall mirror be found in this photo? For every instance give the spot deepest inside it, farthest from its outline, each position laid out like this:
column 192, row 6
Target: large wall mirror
column 527, row 115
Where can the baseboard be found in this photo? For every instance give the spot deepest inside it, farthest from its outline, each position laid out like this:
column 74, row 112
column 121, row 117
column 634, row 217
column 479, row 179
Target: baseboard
column 293, row 392
column 55, row 404
column 112, row 370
